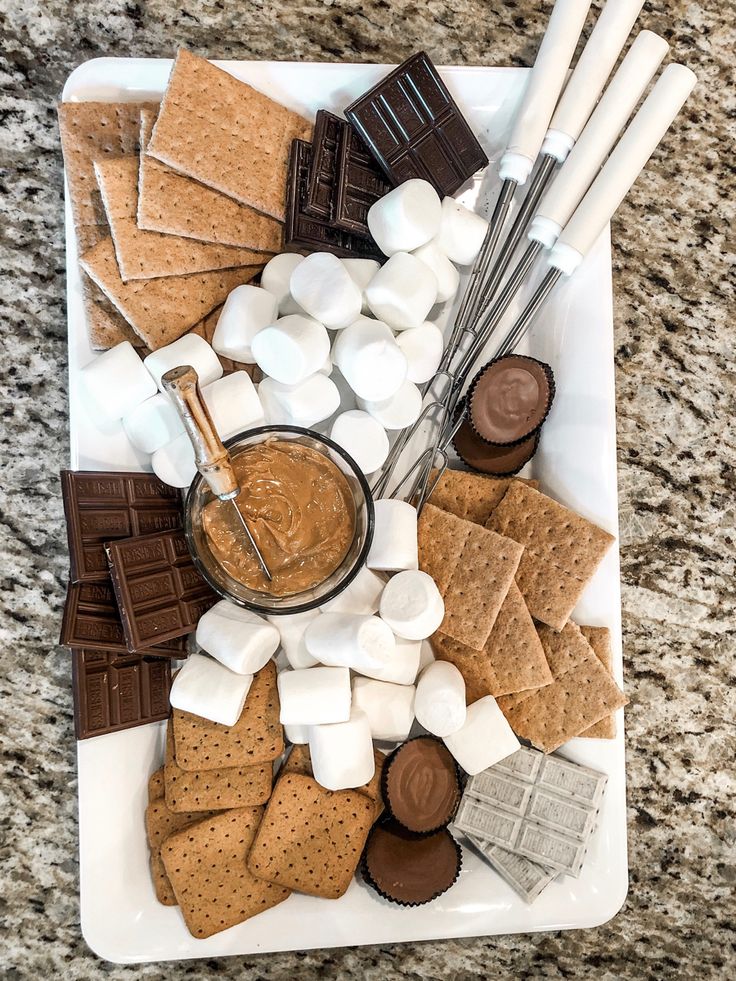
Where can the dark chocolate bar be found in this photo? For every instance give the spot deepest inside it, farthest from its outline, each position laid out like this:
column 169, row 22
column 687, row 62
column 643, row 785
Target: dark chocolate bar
column 414, row 128
column 323, row 166
column 101, row 506
column 360, row 184
column 160, row 594
column 117, row 691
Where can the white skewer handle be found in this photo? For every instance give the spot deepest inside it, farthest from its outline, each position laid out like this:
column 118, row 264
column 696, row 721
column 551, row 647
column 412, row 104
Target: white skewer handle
column 593, row 68
column 623, row 167
column 601, row 132
column 543, row 88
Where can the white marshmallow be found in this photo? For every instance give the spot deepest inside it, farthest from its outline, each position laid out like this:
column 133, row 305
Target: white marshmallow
column 247, row 310
column 290, row 305
column 174, row 463
column 326, row 368
column 350, row 640
column 402, row 292
column 237, row 638
column 276, row 277
column 361, row 596
column 399, row 410
column 440, row 701
column 206, row 688
column 291, row 629
column 461, row 232
column 297, row 735
column 403, row 667
column 389, row 708
column 412, row 605
column 152, row 424
column 304, row 404
column 313, row 696
column 406, row 217
column 423, row 348
column 190, row 349
column 362, row 272
column 326, row 290
column 115, row 382
column 448, row 278
column 395, row 544
column 291, row 349
column 362, row 437
column 485, row 738
column 426, row 656
column 347, row 395
column 369, row 358
column 342, row 755
column 234, row 404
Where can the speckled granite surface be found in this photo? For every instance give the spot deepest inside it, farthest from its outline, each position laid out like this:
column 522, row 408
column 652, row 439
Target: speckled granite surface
column 677, row 449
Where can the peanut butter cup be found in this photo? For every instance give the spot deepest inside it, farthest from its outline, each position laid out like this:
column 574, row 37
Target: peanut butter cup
column 497, row 461
column 510, row 399
column 421, row 786
column 408, row 869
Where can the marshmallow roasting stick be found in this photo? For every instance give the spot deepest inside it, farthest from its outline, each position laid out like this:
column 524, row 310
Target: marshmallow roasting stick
column 213, row 460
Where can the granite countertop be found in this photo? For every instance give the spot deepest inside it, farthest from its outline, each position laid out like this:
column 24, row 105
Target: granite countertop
column 673, row 281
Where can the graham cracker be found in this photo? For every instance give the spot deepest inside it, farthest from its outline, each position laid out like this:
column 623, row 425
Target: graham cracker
column 473, row 572
column 161, row 822
column 177, row 205
column 207, row 868
column 299, row 761
column 226, row 134
column 214, row 790
column 472, row 496
column 161, row 310
column 156, row 785
column 581, row 694
column 599, row 639
column 311, row 839
column 513, row 657
column 257, row 736
column 562, row 551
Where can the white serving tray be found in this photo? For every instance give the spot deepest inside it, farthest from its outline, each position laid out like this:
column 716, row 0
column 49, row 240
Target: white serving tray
column 576, row 463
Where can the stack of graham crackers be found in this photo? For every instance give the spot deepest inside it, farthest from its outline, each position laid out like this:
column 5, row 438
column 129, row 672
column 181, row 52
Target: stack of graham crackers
column 511, row 564
column 174, row 205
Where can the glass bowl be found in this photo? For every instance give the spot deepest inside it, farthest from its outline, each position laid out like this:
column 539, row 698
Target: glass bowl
column 223, row 583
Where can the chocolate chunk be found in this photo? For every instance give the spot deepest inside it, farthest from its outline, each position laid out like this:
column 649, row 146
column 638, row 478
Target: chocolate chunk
column 360, row 184
column 414, row 128
column 118, row 691
column 421, row 785
column 160, row 594
column 323, row 166
column 408, row 869
column 101, row 506
column 510, row 399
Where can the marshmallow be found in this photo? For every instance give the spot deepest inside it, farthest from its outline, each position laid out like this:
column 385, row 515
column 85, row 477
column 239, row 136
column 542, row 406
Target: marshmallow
column 342, row 755
column 297, row 735
column 304, row 404
column 406, row 217
column 313, row 696
column 152, row 424
column 247, row 310
column 326, row 290
column 369, row 359
column 350, row 640
column 361, row 596
column 461, row 232
column 395, row 545
column 190, row 349
column 237, row 638
column 423, row 348
column 402, row 292
column 116, row 382
column 402, row 668
column 276, row 277
column 291, row 349
column 389, row 708
column 174, row 463
column 412, row 605
column 399, row 410
column 362, row 437
column 291, row 629
column 234, row 404
column 448, row 278
column 440, row 701
column 426, row 656
column 484, row 739
column 206, row 688
column 362, row 272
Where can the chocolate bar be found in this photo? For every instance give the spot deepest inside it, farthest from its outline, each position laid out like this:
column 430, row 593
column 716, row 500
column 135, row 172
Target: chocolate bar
column 323, row 166
column 102, row 506
column 160, row 594
column 360, row 183
column 117, row 691
column 414, row 128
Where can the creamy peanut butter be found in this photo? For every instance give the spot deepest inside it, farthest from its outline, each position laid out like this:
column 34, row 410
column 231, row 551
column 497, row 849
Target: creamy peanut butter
column 300, row 509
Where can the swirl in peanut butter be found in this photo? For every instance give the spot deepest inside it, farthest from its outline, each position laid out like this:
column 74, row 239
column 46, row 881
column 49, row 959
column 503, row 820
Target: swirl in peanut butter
column 300, row 509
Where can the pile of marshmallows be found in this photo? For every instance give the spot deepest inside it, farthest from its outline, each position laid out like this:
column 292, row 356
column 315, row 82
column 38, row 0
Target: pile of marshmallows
column 353, row 671
column 342, row 343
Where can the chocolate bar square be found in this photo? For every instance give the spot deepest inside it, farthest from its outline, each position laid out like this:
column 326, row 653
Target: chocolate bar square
column 360, row 183
column 323, row 167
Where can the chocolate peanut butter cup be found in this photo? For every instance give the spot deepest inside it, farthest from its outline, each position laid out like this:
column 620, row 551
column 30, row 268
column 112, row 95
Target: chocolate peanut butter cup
column 421, row 785
column 408, row 869
column 509, row 399
column 496, row 461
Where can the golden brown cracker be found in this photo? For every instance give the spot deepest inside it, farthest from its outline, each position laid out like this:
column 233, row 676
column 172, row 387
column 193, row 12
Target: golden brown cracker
column 156, row 785
column 299, row 761
column 161, row 822
column 471, row 496
column 599, row 639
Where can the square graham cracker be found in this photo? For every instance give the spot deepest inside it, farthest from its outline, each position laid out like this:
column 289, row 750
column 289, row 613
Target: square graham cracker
column 226, row 134
column 513, row 657
column 161, row 822
column 311, row 839
column 582, row 693
column 299, row 761
column 599, row 639
column 156, row 785
column 177, row 205
column 473, row 572
column 470, row 495
column 562, row 551
column 257, row 736
column 206, row 865
column 148, row 255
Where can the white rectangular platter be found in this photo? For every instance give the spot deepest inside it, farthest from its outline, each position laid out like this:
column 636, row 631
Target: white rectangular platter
column 576, row 464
